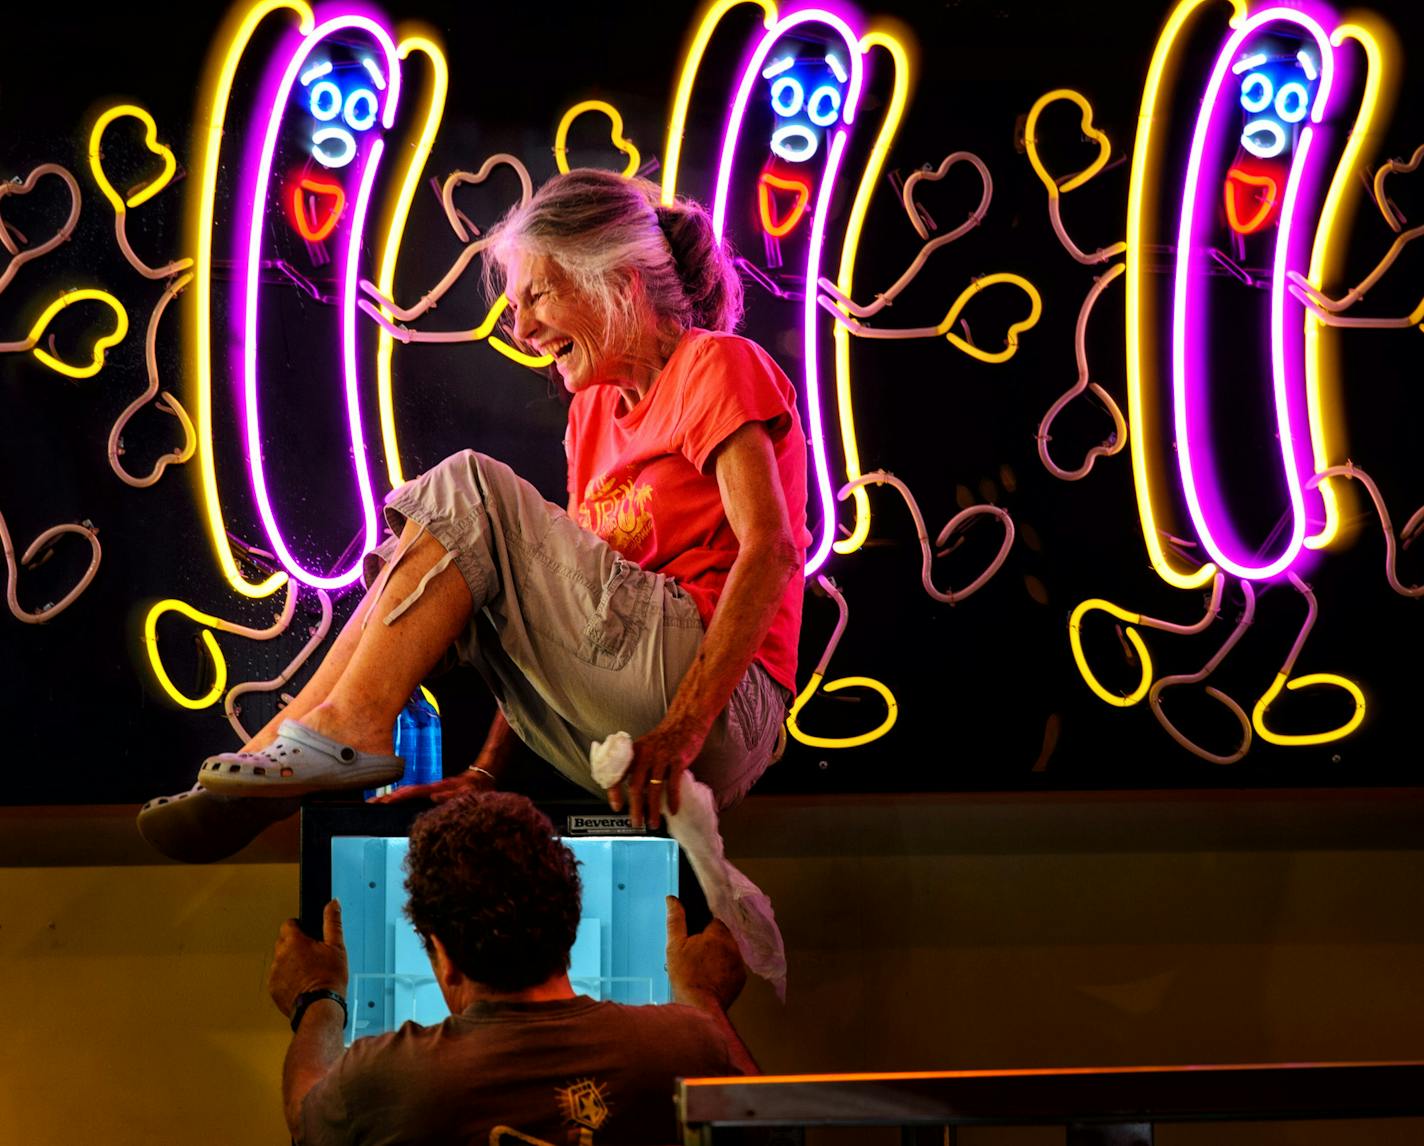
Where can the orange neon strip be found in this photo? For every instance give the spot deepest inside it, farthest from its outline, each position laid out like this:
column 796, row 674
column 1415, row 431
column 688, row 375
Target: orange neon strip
column 1236, row 178
column 898, row 1076
column 317, row 187
column 764, row 189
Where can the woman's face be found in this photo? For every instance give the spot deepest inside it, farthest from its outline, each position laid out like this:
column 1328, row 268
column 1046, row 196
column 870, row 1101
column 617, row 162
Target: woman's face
column 550, row 317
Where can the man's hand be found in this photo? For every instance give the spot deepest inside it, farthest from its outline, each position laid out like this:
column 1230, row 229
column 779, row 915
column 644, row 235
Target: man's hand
column 300, row 963
column 702, row 968
column 659, row 760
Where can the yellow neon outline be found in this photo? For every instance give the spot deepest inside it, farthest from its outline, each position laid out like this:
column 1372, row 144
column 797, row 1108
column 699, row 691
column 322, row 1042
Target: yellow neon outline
column 487, row 325
column 121, row 328
column 855, row 223
column 150, row 640
column 1258, row 714
column 485, row 331
column 208, row 137
column 891, row 705
column 1144, row 156
column 1011, row 339
column 691, row 61
column 624, row 145
column 518, row 355
column 1075, row 639
column 148, row 190
column 1071, row 182
column 395, row 232
column 1326, row 258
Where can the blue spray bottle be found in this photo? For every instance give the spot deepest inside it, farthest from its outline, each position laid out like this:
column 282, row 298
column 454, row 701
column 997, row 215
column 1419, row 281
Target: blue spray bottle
column 418, row 743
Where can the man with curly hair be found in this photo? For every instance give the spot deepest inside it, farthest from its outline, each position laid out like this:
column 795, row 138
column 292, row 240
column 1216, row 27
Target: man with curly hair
column 495, row 895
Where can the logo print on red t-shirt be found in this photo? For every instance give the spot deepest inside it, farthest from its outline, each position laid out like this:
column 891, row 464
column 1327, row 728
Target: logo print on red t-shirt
column 585, row 1105
column 619, row 510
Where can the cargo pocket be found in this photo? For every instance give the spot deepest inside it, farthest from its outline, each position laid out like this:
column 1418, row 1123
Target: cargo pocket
column 617, row 623
column 755, row 712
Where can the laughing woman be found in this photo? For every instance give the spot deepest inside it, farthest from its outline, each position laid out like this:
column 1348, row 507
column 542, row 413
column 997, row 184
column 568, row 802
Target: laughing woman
column 664, row 602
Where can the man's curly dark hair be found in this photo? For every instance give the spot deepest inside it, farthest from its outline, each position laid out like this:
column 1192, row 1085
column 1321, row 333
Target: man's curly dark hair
column 487, row 874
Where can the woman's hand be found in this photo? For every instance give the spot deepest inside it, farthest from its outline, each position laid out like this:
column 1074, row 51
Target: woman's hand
column 659, row 760
column 441, row 790
column 481, row 776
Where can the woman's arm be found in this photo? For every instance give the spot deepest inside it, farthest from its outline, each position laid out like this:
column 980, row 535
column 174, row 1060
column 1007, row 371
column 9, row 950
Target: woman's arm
column 767, row 559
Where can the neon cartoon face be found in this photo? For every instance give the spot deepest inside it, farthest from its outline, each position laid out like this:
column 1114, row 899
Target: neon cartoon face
column 343, row 109
column 1276, row 83
column 343, row 101
column 806, row 94
column 1276, row 95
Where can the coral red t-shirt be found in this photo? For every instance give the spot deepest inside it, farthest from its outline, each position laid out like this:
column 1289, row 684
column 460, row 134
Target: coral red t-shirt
column 645, row 480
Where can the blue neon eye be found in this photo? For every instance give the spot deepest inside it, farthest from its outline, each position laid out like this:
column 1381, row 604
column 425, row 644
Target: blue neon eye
column 338, row 135
column 787, row 96
column 1292, row 101
column 824, row 106
column 358, row 118
column 795, row 142
column 325, row 100
column 1264, row 92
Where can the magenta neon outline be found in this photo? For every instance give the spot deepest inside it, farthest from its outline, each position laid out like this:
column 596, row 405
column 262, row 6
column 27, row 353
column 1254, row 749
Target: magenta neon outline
column 351, row 272
column 818, row 227
column 1185, row 235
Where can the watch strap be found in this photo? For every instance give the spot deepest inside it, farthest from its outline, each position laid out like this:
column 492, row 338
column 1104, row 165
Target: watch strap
column 307, row 998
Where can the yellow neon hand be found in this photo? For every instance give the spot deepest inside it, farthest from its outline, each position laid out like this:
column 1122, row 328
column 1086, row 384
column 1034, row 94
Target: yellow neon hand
column 121, row 328
column 561, row 137
column 1077, row 179
column 150, row 641
column 96, row 163
column 1011, row 339
column 1326, row 679
column 1075, row 623
column 892, row 712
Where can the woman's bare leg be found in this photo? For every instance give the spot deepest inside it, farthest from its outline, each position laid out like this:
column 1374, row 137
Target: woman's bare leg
column 385, row 663
column 327, row 674
column 407, row 651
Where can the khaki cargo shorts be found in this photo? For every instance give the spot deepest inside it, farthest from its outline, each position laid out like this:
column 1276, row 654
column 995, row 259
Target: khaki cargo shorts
column 575, row 641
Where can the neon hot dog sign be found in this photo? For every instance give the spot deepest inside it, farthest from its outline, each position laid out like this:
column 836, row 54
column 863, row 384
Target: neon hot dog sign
column 1272, row 154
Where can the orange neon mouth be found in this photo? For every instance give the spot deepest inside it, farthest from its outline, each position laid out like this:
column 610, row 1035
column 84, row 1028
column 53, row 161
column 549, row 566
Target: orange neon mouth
column 1257, row 194
column 317, row 207
column 768, row 200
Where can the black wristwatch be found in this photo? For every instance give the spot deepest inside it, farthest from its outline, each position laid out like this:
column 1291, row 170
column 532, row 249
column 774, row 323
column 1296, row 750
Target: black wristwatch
column 307, row 998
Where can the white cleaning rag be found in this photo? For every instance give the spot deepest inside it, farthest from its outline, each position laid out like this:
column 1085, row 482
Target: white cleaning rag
column 731, row 896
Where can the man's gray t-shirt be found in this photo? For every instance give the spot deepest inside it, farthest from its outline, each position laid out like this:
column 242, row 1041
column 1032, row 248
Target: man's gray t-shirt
column 573, row 1071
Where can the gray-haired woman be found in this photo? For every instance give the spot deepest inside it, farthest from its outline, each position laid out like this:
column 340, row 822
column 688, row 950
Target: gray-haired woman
column 664, row 602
